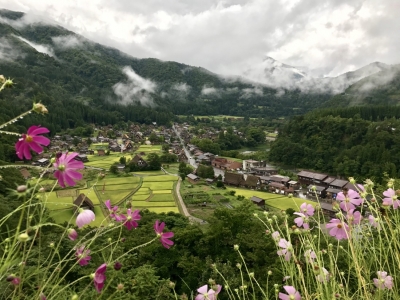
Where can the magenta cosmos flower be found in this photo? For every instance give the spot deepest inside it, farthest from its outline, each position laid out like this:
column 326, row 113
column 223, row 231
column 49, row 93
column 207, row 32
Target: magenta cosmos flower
column 83, row 255
column 340, row 230
column 292, row 294
column 302, row 220
column 32, row 140
column 286, row 249
column 112, row 212
column 72, row 234
column 66, row 169
column 349, row 200
column 383, row 281
column 390, row 199
column 307, row 209
column 374, row 222
column 100, row 277
column 132, row 217
column 85, row 217
column 164, row 236
column 207, row 295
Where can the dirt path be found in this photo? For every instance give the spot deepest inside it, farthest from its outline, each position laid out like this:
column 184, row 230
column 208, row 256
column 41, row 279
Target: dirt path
column 183, row 206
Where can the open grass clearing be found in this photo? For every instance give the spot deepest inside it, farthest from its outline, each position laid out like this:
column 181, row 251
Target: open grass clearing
column 162, row 178
column 162, row 197
column 150, row 204
column 163, row 185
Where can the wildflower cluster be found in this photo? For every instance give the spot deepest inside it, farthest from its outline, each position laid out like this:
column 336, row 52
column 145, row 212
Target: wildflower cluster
column 81, row 250
column 363, row 262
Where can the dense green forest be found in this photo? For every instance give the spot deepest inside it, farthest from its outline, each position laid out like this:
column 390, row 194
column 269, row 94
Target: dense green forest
column 363, row 142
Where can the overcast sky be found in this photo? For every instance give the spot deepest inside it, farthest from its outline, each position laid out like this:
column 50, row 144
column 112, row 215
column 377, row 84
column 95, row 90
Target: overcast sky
column 229, row 37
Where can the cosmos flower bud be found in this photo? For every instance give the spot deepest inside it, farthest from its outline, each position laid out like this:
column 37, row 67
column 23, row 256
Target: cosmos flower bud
column 23, row 237
column 269, row 273
column 75, row 297
column 8, row 83
column 39, row 108
column 236, row 247
column 117, row 266
column 22, row 188
column 2, row 79
column 120, row 287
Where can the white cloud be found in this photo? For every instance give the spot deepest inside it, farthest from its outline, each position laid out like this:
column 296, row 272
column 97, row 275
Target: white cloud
column 8, row 52
column 209, row 90
column 45, row 49
column 68, row 41
column 182, row 87
column 136, row 89
column 228, row 37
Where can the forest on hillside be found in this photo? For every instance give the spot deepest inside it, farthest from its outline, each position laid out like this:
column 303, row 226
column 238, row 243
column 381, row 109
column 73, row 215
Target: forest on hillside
column 362, row 142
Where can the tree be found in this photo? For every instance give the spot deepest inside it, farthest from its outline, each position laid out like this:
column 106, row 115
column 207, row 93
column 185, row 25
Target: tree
column 114, row 169
column 204, row 171
column 153, row 161
column 153, row 138
column 122, row 160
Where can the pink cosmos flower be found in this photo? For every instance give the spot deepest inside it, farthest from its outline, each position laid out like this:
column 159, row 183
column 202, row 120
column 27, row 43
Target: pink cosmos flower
column 310, row 256
column 72, row 234
column 112, row 212
column 42, row 296
column 383, row 281
column 66, row 169
column 286, row 249
column 390, row 199
column 164, row 236
column 323, row 276
column 340, row 230
column 374, row 222
column 207, row 295
column 31, row 140
column 83, row 256
column 307, row 209
column 131, row 219
column 16, row 281
column 354, row 217
column 302, row 220
column 85, row 217
column 276, row 236
column 100, row 277
column 292, row 294
column 349, row 199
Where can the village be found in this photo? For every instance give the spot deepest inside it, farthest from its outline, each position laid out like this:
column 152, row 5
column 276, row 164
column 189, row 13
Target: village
column 261, row 180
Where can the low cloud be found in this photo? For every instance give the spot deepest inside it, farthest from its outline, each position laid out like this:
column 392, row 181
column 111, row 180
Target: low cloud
column 136, row 90
column 8, row 52
column 45, row 49
column 68, row 41
column 206, row 90
column 181, row 87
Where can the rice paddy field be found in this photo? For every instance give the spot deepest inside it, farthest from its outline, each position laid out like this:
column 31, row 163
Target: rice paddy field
column 154, row 193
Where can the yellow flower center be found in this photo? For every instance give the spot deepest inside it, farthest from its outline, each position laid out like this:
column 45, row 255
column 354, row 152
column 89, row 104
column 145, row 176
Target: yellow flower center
column 28, row 139
column 339, row 226
column 61, row 167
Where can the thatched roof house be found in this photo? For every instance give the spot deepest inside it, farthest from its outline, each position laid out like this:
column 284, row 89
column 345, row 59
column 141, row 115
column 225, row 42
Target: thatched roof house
column 252, row 181
column 82, row 201
column 233, row 179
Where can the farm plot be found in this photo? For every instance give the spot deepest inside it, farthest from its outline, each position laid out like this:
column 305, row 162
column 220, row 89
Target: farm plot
column 151, row 204
column 162, row 198
column 159, row 185
column 160, row 178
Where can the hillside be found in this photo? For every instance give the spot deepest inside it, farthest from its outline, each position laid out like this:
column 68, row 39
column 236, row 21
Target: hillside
column 71, row 67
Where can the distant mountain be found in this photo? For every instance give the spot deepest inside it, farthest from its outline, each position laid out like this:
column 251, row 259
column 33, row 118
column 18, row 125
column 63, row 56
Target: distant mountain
column 279, row 75
column 60, row 67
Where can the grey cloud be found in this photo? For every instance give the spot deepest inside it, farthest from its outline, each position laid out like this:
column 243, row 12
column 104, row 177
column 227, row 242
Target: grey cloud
column 8, row 52
column 45, row 49
column 136, row 89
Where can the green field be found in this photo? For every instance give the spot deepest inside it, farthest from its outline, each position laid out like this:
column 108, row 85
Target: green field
column 162, row 198
column 162, row 192
column 159, row 185
column 274, row 200
column 136, row 197
column 160, row 178
column 160, row 210
column 151, row 204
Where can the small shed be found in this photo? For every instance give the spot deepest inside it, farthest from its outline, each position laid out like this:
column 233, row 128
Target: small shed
column 192, row 177
column 82, row 201
column 258, row 201
column 209, row 180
